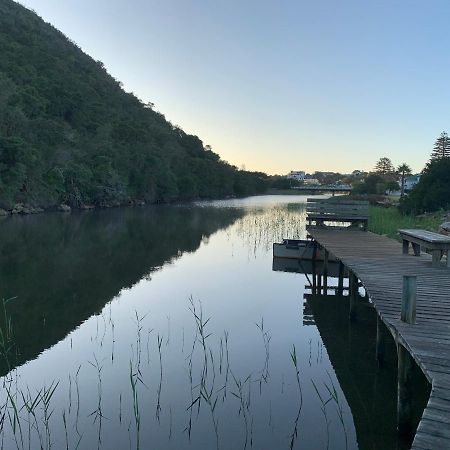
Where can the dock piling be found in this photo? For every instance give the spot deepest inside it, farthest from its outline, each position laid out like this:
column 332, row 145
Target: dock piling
column 341, row 279
column 325, row 271
column 405, row 392
column 409, row 294
column 380, row 343
column 353, row 290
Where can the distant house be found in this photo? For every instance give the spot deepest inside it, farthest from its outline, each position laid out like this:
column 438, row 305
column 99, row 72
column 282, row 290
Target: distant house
column 411, row 181
column 298, row 175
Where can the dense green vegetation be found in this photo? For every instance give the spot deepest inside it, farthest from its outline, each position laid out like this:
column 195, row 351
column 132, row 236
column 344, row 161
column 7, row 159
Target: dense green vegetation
column 433, row 190
column 70, row 134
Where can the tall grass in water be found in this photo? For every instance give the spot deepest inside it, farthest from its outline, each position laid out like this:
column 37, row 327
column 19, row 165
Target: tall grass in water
column 33, row 419
column 6, row 333
column 297, row 377
column 266, row 339
column 388, row 221
column 337, row 403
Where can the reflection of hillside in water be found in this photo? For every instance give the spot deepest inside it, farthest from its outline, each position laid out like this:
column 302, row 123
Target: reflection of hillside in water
column 263, row 226
column 64, row 268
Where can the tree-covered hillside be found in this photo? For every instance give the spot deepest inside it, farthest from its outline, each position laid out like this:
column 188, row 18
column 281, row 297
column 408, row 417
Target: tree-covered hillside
column 70, row 134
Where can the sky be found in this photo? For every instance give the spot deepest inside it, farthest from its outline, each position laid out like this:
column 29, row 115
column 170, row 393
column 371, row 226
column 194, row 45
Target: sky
column 284, row 84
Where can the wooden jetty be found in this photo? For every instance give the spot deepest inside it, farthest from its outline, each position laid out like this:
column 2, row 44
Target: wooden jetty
column 380, row 266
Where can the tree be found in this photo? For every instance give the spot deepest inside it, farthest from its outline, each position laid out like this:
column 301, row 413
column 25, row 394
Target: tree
column 432, row 192
column 403, row 170
column 384, row 166
column 373, row 184
column 70, row 134
column 441, row 147
column 392, row 186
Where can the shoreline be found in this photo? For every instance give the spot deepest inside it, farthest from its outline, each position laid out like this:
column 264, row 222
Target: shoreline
column 25, row 209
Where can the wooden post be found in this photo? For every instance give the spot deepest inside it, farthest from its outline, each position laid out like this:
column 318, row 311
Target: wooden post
column 353, row 291
column 380, row 348
column 436, row 258
column 314, row 278
column 325, row 272
column 341, row 279
column 314, row 271
column 405, row 246
column 409, row 299
column 404, row 392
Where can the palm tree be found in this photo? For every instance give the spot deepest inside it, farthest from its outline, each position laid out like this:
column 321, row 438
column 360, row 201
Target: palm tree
column 403, row 170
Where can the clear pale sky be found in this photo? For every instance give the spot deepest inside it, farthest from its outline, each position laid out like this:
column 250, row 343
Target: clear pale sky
column 280, row 85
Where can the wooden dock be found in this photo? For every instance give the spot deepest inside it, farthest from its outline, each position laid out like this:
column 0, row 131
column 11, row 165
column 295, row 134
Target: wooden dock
column 379, row 264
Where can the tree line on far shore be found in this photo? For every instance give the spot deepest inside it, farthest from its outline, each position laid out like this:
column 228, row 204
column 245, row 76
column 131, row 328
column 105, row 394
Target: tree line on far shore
column 432, row 192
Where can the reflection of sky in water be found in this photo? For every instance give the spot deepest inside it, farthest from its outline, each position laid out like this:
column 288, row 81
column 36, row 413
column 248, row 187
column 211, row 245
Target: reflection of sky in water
column 231, row 275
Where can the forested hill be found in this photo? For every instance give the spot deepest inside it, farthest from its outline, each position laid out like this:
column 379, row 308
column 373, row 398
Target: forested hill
column 69, row 134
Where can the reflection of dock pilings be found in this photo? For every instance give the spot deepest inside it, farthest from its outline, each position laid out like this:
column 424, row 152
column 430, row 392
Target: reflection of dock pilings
column 369, row 388
column 412, row 390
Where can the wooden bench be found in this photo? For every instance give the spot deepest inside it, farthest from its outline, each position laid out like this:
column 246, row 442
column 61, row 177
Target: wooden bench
column 320, row 211
column 433, row 243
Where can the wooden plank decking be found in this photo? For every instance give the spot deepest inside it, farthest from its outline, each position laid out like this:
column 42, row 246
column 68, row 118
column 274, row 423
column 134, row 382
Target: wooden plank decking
column 380, row 265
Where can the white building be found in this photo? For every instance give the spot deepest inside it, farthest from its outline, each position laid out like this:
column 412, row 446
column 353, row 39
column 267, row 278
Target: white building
column 298, row 175
column 411, row 181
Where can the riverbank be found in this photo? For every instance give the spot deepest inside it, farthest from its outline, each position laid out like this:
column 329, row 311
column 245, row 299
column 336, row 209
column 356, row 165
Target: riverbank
column 387, row 221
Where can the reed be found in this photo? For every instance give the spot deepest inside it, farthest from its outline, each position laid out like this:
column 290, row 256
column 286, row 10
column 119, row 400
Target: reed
column 6, row 333
column 387, row 221
column 338, row 404
column 158, row 404
column 294, row 360
column 134, row 378
column 266, row 340
column 323, row 407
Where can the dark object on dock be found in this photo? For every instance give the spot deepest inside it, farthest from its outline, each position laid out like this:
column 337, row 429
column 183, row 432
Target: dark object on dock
column 380, row 265
column 334, row 211
column 434, row 243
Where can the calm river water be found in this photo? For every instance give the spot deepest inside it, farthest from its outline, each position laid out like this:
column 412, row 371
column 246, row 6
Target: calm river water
column 167, row 328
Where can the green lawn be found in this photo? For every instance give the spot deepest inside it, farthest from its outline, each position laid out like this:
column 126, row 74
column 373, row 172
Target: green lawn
column 388, row 220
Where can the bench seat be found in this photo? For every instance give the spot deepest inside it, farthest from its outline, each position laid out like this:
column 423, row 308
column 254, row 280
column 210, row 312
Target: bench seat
column 434, row 243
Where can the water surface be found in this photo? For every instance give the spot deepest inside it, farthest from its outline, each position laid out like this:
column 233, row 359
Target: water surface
column 166, row 327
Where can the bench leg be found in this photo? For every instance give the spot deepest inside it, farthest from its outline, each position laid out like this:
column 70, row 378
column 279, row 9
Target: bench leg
column 436, row 254
column 405, row 246
column 416, row 249
column 448, row 258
